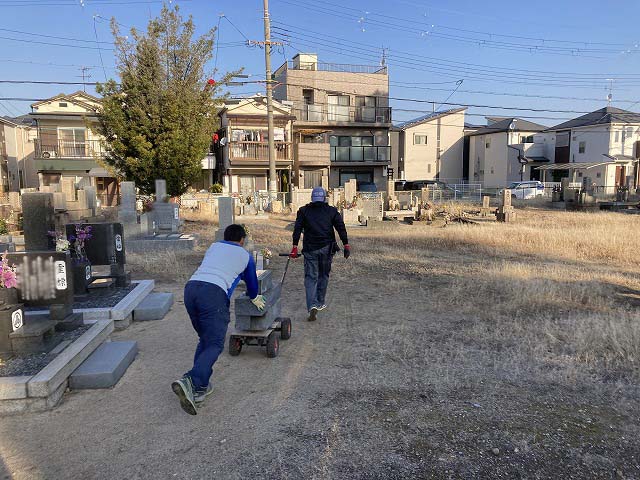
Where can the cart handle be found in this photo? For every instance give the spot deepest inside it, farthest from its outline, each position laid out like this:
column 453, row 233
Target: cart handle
column 288, row 255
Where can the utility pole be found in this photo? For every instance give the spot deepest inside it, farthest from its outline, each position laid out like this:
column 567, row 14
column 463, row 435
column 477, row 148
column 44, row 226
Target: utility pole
column 267, row 61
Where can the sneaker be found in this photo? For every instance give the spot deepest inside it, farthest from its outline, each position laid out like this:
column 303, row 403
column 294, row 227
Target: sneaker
column 200, row 396
column 322, row 307
column 183, row 388
column 313, row 314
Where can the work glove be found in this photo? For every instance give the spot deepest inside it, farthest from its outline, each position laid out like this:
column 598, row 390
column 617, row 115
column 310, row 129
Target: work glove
column 347, row 251
column 260, row 302
column 294, row 252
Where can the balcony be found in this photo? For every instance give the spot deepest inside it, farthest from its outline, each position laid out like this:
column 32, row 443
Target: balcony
column 360, row 154
column 65, row 149
column 342, row 114
column 316, row 154
column 252, row 152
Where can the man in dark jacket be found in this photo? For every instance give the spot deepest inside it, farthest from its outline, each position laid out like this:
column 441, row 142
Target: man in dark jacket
column 317, row 221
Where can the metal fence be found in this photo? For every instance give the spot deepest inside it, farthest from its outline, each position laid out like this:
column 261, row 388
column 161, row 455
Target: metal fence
column 464, row 192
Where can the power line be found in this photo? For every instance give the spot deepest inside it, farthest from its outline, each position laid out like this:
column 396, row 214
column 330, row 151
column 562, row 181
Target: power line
column 444, row 63
column 95, row 31
column 50, row 36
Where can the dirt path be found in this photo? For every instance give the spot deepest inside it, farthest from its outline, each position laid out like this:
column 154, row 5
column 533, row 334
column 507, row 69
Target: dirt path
column 381, row 387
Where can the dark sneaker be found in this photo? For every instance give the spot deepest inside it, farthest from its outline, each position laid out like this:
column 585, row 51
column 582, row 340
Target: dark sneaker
column 200, row 396
column 313, row 314
column 183, row 388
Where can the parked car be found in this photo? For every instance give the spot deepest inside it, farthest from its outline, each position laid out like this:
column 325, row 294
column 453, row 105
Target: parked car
column 526, row 190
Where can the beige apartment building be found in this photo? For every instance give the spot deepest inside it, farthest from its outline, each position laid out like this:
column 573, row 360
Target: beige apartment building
column 343, row 118
column 17, row 169
column 431, row 147
column 244, row 145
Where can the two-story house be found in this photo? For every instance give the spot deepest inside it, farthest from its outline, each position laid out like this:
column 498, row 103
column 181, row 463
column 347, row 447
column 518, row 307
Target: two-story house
column 603, row 145
column 244, row 145
column 341, row 131
column 66, row 146
column 504, row 151
column 17, row 169
column 431, row 147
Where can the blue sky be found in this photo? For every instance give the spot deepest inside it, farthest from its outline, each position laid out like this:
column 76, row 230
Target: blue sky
column 508, row 54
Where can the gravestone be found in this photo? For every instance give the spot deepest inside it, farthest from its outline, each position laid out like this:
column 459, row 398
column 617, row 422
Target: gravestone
column 424, row 194
column 106, row 247
column 486, row 206
column 167, row 216
column 127, row 214
column 59, row 201
column 68, row 187
column 11, row 320
column 226, row 215
column 38, row 221
column 14, row 201
column 350, row 190
column 92, row 198
column 506, row 212
column 161, row 190
column 45, row 280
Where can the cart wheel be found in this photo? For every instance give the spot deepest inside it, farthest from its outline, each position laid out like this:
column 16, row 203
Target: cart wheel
column 285, row 328
column 273, row 345
column 235, row 346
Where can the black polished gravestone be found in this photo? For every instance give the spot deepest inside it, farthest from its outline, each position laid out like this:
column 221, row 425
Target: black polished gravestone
column 106, row 247
column 38, row 221
column 45, row 280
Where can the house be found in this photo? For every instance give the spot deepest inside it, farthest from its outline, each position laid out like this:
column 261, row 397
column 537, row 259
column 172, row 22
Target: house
column 66, row 146
column 343, row 119
column 244, row 145
column 504, row 151
column 431, row 147
column 17, row 169
column 603, row 145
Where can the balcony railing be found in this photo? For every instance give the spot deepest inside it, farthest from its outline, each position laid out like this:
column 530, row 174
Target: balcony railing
column 360, row 154
column 64, row 149
column 336, row 67
column 342, row 114
column 259, row 151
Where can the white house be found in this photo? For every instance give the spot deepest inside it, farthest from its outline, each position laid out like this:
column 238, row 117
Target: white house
column 506, row 150
column 603, row 145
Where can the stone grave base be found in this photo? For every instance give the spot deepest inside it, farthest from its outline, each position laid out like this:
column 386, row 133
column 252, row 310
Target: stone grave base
column 105, row 366
column 45, row 389
column 161, row 243
column 154, row 307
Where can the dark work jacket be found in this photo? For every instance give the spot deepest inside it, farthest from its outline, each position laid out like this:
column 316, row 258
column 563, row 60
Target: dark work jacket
column 317, row 221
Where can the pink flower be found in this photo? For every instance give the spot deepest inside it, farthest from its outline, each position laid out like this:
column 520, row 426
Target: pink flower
column 9, row 279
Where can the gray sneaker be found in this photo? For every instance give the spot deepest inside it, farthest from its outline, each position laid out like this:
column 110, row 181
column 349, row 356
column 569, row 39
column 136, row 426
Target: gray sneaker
column 313, row 314
column 200, row 396
column 322, row 307
column 183, row 388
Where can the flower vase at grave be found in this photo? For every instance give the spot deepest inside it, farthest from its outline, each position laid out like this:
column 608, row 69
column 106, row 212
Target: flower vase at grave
column 81, row 276
column 8, row 296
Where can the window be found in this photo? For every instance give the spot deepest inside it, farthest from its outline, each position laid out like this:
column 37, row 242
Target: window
column 629, row 132
column 63, row 104
column 357, row 149
column 429, row 168
column 598, row 175
column 582, row 147
column 617, row 136
column 338, row 110
column 487, row 142
column 360, row 176
column 72, row 142
column 307, row 96
column 419, row 139
column 526, row 138
column 579, row 174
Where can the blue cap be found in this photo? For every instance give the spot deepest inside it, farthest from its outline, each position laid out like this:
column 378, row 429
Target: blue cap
column 318, row 194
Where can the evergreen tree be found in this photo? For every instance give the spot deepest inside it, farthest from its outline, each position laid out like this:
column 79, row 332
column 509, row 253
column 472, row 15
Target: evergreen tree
column 158, row 121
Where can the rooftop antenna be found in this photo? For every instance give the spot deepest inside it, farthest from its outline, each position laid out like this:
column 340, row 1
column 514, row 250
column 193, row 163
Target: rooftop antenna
column 610, row 95
column 383, row 60
column 85, row 76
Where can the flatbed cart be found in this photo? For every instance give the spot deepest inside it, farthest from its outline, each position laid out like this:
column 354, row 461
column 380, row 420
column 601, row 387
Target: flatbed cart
column 267, row 337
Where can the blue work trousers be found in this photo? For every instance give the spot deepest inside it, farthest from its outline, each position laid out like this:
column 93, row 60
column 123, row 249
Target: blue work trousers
column 317, row 266
column 208, row 308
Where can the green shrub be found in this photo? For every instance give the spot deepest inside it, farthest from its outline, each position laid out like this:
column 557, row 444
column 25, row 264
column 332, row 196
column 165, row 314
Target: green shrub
column 215, row 188
column 4, row 227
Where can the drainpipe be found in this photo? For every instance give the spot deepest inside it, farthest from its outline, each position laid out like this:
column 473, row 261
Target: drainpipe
column 521, row 160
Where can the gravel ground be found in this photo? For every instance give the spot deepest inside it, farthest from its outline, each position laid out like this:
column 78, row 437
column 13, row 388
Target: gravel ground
column 101, row 298
column 31, row 364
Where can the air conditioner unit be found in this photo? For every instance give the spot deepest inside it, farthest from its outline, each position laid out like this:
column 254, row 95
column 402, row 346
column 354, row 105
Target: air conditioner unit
column 49, row 154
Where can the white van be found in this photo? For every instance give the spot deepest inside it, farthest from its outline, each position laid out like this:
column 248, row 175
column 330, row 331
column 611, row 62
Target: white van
column 526, row 190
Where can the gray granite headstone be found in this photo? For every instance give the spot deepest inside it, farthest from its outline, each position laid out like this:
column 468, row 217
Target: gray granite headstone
column 167, row 216
column 92, row 198
column 161, row 190
column 128, row 196
column 68, row 186
column 226, row 213
column 14, row 200
column 59, row 201
column 39, row 220
column 350, row 190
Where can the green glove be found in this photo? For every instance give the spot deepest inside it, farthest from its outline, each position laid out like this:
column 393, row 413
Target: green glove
column 260, row 302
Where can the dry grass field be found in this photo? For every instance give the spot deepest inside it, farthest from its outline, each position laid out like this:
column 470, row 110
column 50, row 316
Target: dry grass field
column 465, row 351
